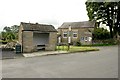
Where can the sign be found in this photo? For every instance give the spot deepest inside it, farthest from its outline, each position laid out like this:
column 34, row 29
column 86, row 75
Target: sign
column 69, row 39
column 59, row 39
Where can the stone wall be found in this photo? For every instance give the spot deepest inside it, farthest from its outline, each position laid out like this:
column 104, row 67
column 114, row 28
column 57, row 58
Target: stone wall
column 82, row 32
column 52, row 41
column 85, row 33
column 20, row 35
column 27, row 41
column 28, row 45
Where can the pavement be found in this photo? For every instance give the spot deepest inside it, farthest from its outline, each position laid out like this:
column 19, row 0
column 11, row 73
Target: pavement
column 44, row 53
column 13, row 55
column 96, row 64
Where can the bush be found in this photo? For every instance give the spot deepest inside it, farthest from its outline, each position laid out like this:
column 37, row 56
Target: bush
column 101, row 34
column 111, row 41
column 78, row 43
column 108, row 41
column 118, row 42
column 4, row 42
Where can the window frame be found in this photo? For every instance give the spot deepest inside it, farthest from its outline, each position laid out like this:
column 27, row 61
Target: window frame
column 64, row 34
column 75, row 33
column 86, row 38
column 82, row 38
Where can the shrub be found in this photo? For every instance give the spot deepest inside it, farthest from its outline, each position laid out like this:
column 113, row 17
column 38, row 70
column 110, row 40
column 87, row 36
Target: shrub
column 4, row 42
column 78, row 43
column 118, row 42
column 101, row 34
column 108, row 41
column 111, row 41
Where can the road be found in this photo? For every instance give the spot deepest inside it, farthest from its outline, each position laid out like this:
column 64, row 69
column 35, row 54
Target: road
column 7, row 54
column 97, row 64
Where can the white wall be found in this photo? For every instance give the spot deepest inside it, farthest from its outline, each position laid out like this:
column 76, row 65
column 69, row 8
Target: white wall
column 40, row 38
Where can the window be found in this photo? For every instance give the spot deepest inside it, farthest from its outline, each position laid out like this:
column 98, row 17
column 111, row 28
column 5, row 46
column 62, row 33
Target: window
column 85, row 38
column 82, row 38
column 75, row 34
column 90, row 38
column 64, row 34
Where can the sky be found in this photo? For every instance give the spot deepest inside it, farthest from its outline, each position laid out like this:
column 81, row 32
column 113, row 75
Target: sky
column 53, row 12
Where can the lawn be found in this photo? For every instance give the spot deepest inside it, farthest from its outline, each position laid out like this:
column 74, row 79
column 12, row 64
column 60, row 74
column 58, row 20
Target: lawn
column 76, row 48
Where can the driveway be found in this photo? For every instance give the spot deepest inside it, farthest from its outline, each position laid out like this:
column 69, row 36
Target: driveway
column 97, row 64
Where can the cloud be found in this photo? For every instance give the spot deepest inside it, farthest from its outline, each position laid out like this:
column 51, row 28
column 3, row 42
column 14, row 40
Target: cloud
column 51, row 22
column 54, row 12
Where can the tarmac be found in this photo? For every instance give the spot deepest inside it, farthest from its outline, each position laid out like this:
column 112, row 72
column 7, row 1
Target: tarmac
column 94, row 64
column 14, row 55
column 9, row 55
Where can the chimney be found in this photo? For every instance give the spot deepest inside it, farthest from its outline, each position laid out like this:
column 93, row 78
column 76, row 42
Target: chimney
column 36, row 23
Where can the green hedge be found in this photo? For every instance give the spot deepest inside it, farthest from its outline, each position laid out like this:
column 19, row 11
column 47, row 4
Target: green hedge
column 99, row 45
column 3, row 42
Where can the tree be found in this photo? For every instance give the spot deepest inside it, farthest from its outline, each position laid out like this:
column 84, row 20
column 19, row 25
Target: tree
column 101, row 34
column 105, row 12
column 10, row 33
column 10, row 36
column 14, row 28
column 7, row 29
column 3, row 34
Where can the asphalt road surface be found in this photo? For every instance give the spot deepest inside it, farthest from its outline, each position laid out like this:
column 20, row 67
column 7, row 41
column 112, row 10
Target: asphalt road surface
column 6, row 54
column 97, row 64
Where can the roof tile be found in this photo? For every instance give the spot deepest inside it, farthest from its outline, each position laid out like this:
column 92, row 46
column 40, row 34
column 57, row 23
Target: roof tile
column 85, row 24
column 38, row 27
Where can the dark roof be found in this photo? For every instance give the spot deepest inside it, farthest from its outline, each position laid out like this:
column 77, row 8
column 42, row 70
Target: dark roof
column 85, row 24
column 38, row 27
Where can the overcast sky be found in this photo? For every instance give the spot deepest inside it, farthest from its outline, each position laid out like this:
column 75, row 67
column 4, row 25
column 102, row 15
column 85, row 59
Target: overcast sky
column 54, row 12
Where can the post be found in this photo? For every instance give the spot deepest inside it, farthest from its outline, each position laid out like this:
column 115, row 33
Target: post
column 69, row 37
column 59, row 42
column 59, row 39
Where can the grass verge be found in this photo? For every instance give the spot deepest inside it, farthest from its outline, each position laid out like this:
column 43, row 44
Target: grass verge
column 76, row 49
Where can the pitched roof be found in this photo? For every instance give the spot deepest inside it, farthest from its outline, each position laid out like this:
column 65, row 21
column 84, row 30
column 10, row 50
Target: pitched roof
column 38, row 27
column 85, row 24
